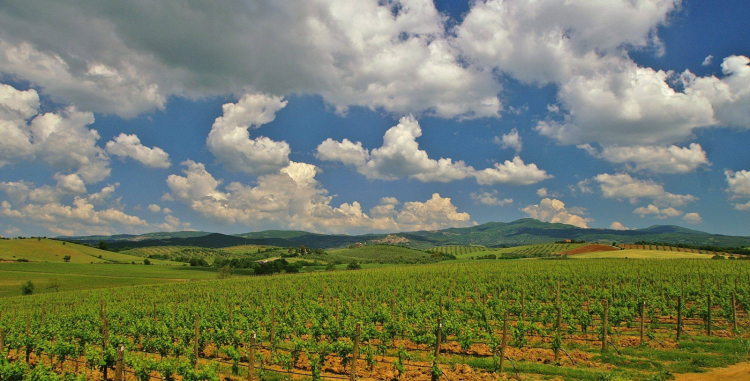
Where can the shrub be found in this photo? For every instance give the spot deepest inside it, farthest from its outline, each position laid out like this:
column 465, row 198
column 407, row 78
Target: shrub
column 66, row 258
column 27, row 288
column 146, row 262
column 353, row 265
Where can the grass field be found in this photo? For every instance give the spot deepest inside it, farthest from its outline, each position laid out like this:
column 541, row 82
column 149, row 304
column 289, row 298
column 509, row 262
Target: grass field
column 380, row 254
column 642, row 254
column 76, row 276
column 47, row 250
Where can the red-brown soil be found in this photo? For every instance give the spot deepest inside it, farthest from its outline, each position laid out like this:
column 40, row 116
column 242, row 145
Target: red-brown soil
column 589, row 249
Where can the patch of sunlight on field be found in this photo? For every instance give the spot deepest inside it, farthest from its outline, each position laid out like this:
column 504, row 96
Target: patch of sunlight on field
column 642, row 254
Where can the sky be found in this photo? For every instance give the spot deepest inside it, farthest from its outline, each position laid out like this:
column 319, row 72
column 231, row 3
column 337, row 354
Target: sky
column 355, row 116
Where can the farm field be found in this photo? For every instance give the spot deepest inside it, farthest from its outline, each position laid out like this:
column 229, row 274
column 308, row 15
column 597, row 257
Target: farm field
column 642, row 254
column 379, row 254
column 572, row 320
column 73, row 276
column 47, row 250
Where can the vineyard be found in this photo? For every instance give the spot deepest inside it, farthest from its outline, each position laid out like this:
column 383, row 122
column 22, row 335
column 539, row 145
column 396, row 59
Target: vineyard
column 675, row 249
column 185, row 253
column 544, row 249
column 458, row 250
column 529, row 319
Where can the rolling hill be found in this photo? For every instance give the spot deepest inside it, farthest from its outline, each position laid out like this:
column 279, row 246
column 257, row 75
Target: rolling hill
column 47, row 250
column 525, row 231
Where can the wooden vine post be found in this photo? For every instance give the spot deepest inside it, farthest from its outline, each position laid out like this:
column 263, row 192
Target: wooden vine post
column 605, row 325
column 504, row 342
column 2, row 340
column 643, row 319
column 195, row 350
column 708, row 320
column 679, row 317
column 272, row 333
column 558, row 324
column 251, row 357
column 355, row 353
column 734, row 312
column 119, row 364
column 439, row 336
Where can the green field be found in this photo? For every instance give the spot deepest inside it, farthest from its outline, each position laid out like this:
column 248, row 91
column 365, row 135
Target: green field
column 47, row 250
column 380, row 254
column 76, row 276
column 308, row 323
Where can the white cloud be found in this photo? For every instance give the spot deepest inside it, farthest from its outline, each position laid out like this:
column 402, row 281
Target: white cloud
column 738, row 187
column 153, row 208
column 708, row 60
column 552, row 210
column 130, row 146
column 80, row 216
column 172, row 223
column 729, row 96
column 119, row 87
column 659, row 213
column 622, row 186
column 618, row 226
column 627, row 105
column 70, row 184
column 656, row 159
column 229, row 139
column 61, row 140
column 398, row 157
column 123, row 58
column 692, row 218
column 490, row 199
column 545, row 193
column 514, row 172
column 510, row 140
column 550, row 41
column 344, row 151
column 738, row 182
column 293, row 198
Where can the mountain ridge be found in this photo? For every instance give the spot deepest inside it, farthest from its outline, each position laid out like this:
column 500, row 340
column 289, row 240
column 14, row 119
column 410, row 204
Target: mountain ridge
column 524, row 231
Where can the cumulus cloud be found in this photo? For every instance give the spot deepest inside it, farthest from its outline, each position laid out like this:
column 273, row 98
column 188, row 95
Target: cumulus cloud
column 627, row 105
column 229, row 139
column 656, row 159
column 514, row 172
column 61, row 140
column 46, row 207
column 659, row 213
column 728, row 96
column 125, row 145
column 550, row 41
column 738, row 187
column 622, row 186
column 618, row 226
column 692, row 218
column 489, row 199
column 293, row 198
column 552, row 210
column 121, row 58
column 153, row 208
column 344, row 151
column 510, row 140
column 172, row 223
column 400, row 157
column 708, row 60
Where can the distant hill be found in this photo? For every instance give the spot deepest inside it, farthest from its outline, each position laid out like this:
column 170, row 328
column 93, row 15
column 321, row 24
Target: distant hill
column 525, row 231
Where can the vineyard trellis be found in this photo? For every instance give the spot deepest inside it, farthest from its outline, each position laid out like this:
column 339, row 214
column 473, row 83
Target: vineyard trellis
column 398, row 319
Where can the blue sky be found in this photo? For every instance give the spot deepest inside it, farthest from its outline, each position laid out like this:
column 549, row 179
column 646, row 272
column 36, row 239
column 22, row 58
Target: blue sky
column 361, row 116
